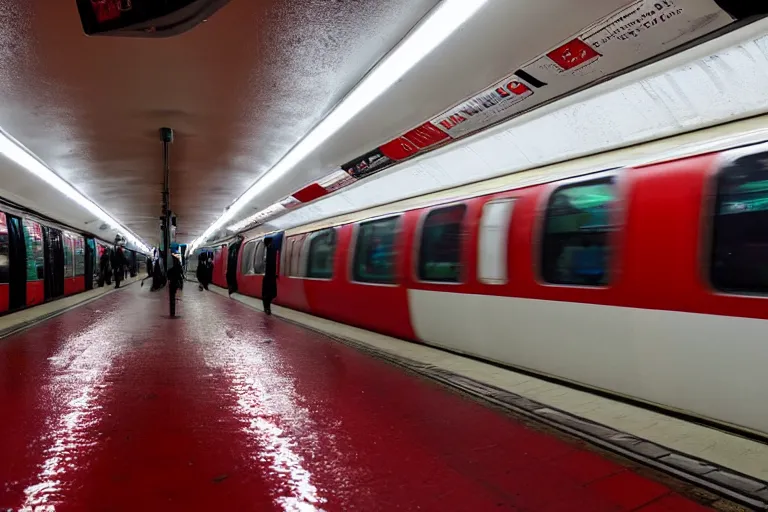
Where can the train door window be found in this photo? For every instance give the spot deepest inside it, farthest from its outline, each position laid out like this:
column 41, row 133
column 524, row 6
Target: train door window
column 260, row 258
column 285, row 257
column 321, row 253
column 79, row 256
column 69, row 256
column 246, row 260
column 33, row 235
column 740, row 239
column 5, row 253
column 576, row 237
column 295, row 269
column 374, row 260
column 440, row 246
column 492, row 245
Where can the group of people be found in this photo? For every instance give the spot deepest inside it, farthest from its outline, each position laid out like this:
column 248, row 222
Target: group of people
column 112, row 265
column 269, row 282
column 174, row 278
column 204, row 272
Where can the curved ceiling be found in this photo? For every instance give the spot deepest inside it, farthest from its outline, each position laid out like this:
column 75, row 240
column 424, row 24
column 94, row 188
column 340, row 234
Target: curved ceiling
column 240, row 91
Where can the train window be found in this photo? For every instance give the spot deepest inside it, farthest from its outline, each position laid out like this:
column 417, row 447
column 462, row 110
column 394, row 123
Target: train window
column 321, row 252
column 260, row 258
column 575, row 245
column 440, row 248
column 295, row 269
column 5, row 261
column 33, row 236
column 285, row 257
column 492, row 246
column 374, row 260
column 69, row 256
column 79, row 256
column 740, row 240
column 246, row 260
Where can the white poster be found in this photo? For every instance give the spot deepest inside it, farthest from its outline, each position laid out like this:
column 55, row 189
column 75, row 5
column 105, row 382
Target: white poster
column 641, row 30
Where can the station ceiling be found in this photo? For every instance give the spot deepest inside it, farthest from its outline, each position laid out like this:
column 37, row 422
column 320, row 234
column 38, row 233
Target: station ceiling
column 239, row 90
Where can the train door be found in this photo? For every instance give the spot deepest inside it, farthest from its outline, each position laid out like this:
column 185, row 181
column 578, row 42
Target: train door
column 17, row 257
column 234, row 250
column 90, row 249
column 54, row 263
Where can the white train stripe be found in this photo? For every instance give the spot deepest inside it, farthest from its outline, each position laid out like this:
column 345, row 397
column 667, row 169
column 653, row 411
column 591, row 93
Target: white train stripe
column 705, row 365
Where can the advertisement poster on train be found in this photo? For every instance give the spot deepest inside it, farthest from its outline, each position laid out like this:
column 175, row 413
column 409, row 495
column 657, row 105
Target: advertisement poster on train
column 370, row 163
column 290, row 203
column 641, row 30
column 336, row 180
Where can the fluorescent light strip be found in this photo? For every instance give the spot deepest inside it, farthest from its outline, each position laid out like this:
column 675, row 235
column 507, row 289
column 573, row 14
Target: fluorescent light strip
column 260, row 216
column 16, row 152
column 441, row 23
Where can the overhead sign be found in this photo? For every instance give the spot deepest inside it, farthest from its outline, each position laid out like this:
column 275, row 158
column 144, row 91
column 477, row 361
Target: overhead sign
column 370, row 163
column 144, row 18
column 641, row 30
column 336, row 180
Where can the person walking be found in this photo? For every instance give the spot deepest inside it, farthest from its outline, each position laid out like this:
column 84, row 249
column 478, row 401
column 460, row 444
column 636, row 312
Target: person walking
column 104, row 268
column 202, row 272
column 269, row 283
column 118, row 265
column 175, row 280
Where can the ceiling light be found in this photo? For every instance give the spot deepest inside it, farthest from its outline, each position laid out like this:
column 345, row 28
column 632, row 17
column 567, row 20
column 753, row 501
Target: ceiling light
column 16, row 152
column 258, row 217
column 441, row 23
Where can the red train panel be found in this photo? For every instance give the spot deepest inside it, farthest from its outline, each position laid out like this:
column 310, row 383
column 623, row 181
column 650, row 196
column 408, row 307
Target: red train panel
column 73, row 285
column 656, row 259
column 220, row 266
column 35, row 292
column 4, row 298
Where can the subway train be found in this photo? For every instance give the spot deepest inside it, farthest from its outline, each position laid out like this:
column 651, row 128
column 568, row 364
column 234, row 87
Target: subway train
column 41, row 261
column 640, row 272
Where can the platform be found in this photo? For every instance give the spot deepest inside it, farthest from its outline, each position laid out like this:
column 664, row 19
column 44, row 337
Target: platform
column 114, row 406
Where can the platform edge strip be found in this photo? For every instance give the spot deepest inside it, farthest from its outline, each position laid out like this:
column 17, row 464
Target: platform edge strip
column 10, row 331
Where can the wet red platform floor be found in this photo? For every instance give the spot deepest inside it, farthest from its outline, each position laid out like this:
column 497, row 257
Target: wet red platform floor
column 113, row 407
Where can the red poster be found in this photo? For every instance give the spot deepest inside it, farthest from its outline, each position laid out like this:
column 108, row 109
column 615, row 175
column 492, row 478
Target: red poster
column 426, row 135
column 572, row 54
column 310, row 193
column 399, row 149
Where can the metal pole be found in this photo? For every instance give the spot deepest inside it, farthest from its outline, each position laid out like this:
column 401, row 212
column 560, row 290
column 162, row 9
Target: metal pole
column 166, row 207
column 166, row 135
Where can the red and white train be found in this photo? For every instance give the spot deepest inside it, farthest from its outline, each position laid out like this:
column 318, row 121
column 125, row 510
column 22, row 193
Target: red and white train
column 42, row 261
column 642, row 272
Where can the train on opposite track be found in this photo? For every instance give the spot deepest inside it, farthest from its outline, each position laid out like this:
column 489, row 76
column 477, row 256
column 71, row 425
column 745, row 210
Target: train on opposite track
column 641, row 272
column 42, row 261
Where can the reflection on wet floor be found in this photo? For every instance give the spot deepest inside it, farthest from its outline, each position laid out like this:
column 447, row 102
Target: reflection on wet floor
column 113, row 406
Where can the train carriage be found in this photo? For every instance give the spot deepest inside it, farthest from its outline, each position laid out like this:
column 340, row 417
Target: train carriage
column 646, row 280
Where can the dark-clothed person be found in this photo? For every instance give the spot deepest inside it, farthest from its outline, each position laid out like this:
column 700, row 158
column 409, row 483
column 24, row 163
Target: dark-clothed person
column 175, row 280
column 203, row 272
column 158, row 273
column 118, row 265
column 104, row 270
column 269, row 284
